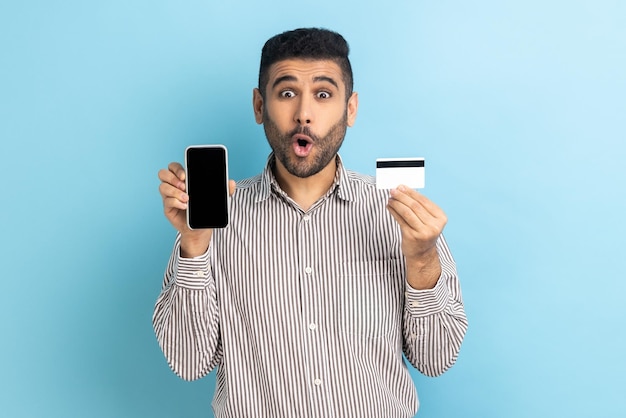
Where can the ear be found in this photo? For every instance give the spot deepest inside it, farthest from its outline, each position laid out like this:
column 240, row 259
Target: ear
column 353, row 106
column 257, row 105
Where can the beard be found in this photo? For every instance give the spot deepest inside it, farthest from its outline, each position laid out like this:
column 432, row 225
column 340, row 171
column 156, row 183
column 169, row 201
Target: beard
column 325, row 148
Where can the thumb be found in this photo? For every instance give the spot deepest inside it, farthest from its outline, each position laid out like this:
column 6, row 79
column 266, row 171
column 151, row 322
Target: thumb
column 231, row 187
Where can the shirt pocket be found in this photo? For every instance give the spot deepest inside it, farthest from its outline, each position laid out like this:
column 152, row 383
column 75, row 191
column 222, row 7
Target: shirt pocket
column 370, row 298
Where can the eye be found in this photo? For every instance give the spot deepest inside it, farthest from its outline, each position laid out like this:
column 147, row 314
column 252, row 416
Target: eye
column 287, row 94
column 323, row 95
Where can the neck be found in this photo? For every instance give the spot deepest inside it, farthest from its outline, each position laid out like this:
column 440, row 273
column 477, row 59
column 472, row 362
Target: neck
column 305, row 191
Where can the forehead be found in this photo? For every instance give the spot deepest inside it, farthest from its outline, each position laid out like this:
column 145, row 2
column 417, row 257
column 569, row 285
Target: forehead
column 303, row 70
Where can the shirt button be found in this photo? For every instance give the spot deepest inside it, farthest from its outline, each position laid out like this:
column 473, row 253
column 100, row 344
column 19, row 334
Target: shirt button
column 306, row 218
column 308, row 270
column 414, row 304
column 317, row 382
column 312, row 327
column 199, row 273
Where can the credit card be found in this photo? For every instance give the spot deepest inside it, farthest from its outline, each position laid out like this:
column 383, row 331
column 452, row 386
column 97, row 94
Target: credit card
column 392, row 172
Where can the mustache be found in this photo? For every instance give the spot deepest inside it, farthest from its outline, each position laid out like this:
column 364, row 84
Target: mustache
column 303, row 130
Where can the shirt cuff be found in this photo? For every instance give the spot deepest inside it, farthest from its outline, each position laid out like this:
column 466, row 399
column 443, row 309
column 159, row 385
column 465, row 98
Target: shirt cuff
column 193, row 273
column 420, row 303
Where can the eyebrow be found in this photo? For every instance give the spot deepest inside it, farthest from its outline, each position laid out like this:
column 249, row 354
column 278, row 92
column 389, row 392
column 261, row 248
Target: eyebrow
column 327, row 79
column 315, row 79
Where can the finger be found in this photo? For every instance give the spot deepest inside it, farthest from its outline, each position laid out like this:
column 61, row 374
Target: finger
column 409, row 209
column 428, row 204
column 423, row 207
column 168, row 191
column 399, row 218
column 405, row 217
column 414, row 227
column 178, row 170
column 169, row 177
column 414, row 215
column 173, row 203
column 232, row 185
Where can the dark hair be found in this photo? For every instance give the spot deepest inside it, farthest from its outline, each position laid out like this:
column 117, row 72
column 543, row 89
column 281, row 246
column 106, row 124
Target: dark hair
column 308, row 44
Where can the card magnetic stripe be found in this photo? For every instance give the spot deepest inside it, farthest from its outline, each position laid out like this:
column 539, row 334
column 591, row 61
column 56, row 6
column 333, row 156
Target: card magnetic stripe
column 399, row 164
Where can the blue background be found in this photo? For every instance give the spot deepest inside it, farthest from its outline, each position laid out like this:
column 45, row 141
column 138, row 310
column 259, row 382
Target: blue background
column 518, row 106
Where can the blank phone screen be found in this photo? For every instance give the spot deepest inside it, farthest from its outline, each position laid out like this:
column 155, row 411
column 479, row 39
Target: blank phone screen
column 207, row 187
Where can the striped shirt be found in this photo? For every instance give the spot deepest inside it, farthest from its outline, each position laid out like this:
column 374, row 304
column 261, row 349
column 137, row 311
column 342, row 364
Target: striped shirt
column 308, row 313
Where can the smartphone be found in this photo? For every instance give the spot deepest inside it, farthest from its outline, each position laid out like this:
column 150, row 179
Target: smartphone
column 207, row 186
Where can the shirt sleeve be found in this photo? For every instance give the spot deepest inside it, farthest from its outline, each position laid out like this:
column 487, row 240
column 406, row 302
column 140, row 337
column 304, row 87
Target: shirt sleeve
column 434, row 320
column 186, row 317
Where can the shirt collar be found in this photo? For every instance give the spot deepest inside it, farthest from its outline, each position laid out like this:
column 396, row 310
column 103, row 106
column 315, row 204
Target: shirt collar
column 341, row 183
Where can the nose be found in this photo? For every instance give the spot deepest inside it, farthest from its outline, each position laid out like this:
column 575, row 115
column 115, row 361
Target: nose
column 304, row 112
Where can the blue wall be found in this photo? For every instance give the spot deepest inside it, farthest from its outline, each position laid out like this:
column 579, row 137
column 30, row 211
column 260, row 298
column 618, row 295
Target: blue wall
column 519, row 108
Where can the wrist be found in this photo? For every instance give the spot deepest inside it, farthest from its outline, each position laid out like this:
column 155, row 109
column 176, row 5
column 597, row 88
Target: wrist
column 422, row 272
column 194, row 244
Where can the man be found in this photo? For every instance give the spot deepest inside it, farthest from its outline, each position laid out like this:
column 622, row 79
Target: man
column 307, row 300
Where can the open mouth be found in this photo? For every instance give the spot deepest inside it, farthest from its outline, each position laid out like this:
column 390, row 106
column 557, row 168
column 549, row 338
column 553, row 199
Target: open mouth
column 302, row 145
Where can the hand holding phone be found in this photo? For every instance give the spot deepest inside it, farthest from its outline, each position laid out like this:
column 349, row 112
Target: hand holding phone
column 207, row 186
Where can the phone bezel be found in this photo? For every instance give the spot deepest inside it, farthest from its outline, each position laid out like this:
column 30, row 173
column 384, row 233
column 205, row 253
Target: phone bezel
column 226, row 197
